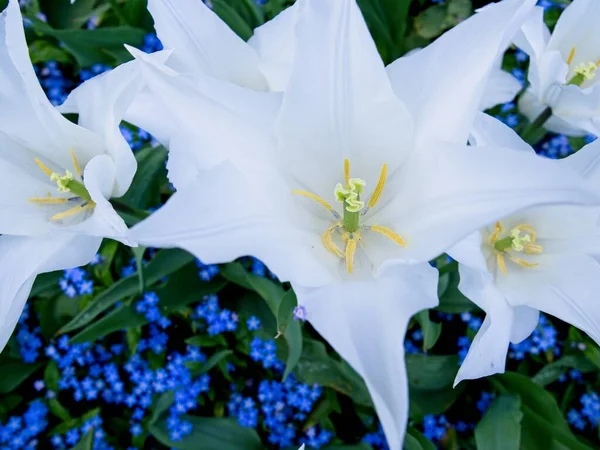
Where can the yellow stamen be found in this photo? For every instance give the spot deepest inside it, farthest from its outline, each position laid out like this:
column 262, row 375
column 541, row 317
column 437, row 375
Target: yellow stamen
column 390, row 234
column 501, row 263
column 533, row 249
column 379, row 188
column 521, row 262
column 347, row 171
column 314, row 197
column 73, row 211
column 496, row 234
column 328, row 240
column 43, row 166
column 350, row 251
column 76, row 163
column 571, row 56
column 48, row 200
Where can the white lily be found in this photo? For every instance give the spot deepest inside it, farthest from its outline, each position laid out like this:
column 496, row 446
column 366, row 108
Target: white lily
column 539, row 259
column 563, row 67
column 501, row 88
column 56, row 176
column 288, row 190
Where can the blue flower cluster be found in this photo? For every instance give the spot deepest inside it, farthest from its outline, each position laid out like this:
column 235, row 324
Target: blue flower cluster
column 281, row 407
column 28, row 338
column 20, row 432
column 148, row 306
column 589, row 413
column 217, row 320
column 265, row 352
column 76, row 282
column 376, row 439
column 542, row 340
column 207, row 272
column 74, row 435
column 435, row 428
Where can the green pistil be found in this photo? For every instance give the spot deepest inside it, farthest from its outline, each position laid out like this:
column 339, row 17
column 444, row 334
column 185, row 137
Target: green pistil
column 66, row 183
column 350, row 197
column 503, row 244
column 583, row 72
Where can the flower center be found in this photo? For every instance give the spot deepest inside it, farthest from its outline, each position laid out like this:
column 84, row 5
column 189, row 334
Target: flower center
column 521, row 239
column 64, row 184
column 584, row 71
column 347, row 227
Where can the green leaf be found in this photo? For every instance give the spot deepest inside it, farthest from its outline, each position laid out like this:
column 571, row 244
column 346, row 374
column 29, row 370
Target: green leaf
column 210, row 433
column 42, row 51
column 553, row 371
column 164, row 263
column 176, row 294
column 232, row 18
column 162, row 404
column 64, row 14
column 431, row 330
column 414, row 440
column 500, row 428
column 542, row 423
column 151, row 163
column 430, row 378
column 452, row 300
column 86, row 442
column 200, row 368
column 15, row 373
column 317, row 366
column 280, row 303
column 101, row 45
column 46, row 284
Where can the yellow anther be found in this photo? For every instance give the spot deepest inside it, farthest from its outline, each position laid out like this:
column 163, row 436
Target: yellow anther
column 43, row 166
column 496, row 234
column 390, row 234
column 346, row 171
column 533, row 249
column 73, row 211
column 522, row 262
column 379, row 188
column 571, row 56
column 314, row 197
column 350, row 251
column 48, row 200
column 76, row 164
column 328, row 240
column 501, row 263
column 62, row 181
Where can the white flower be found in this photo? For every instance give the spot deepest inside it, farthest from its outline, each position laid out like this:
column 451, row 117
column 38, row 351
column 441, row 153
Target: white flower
column 339, row 179
column 539, row 259
column 563, row 69
column 501, row 88
column 55, row 177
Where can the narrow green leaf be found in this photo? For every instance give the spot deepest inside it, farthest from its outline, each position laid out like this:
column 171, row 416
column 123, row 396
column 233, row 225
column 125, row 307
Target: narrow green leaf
column 162, row 404
column 232, row 18
column 210, row 433
column 500, row 428
column 86, row 442
column 200, row 368
column 151, row 163
column 553, row 371
column 164, row 263
column 431, row 330
column 414, row 440
column 15, row 373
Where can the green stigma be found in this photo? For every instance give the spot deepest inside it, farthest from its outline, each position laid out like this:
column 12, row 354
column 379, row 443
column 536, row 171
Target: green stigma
column 350, row 197
column 66, row 183
column 583, row 72
column 515, row 241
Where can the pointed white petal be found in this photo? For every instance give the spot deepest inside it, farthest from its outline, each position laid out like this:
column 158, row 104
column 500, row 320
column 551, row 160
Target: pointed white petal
column 203, row 43
column 22, row 258
column 365, row 322
column 587, row 163
column 533, row 36
column 224, row 214
column 339, row 103
column 443, row 95
column 488, row 131
column 470, row 187
column 501, row 87
column 275, row 43
column 564, row 285
column 101, row 104
column 26, row 114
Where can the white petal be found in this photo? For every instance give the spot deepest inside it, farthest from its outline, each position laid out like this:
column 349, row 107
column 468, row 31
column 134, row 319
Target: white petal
column 467, row 188
column 533, row 36
column 564, row 285
column 101, row 104
column 22, row 258
column 339, row 103
column 579, row 108
column 203, row 43
column 99, row 178
column 275, row 43
column 202, row 114
column 224, row 214
column 26, row 114
column 365, row 322
column 443, row 95
column 468, row 252
column 488, row 131
column 501, row 87
column 587, row 162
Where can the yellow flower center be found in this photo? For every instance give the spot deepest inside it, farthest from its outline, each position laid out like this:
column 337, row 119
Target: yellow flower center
column 347, row 225
column 584, row 71
column 65, row 183
column 521, row 239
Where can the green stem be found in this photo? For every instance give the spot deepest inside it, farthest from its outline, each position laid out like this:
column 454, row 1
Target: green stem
column 450, row 267
column 531, row 134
